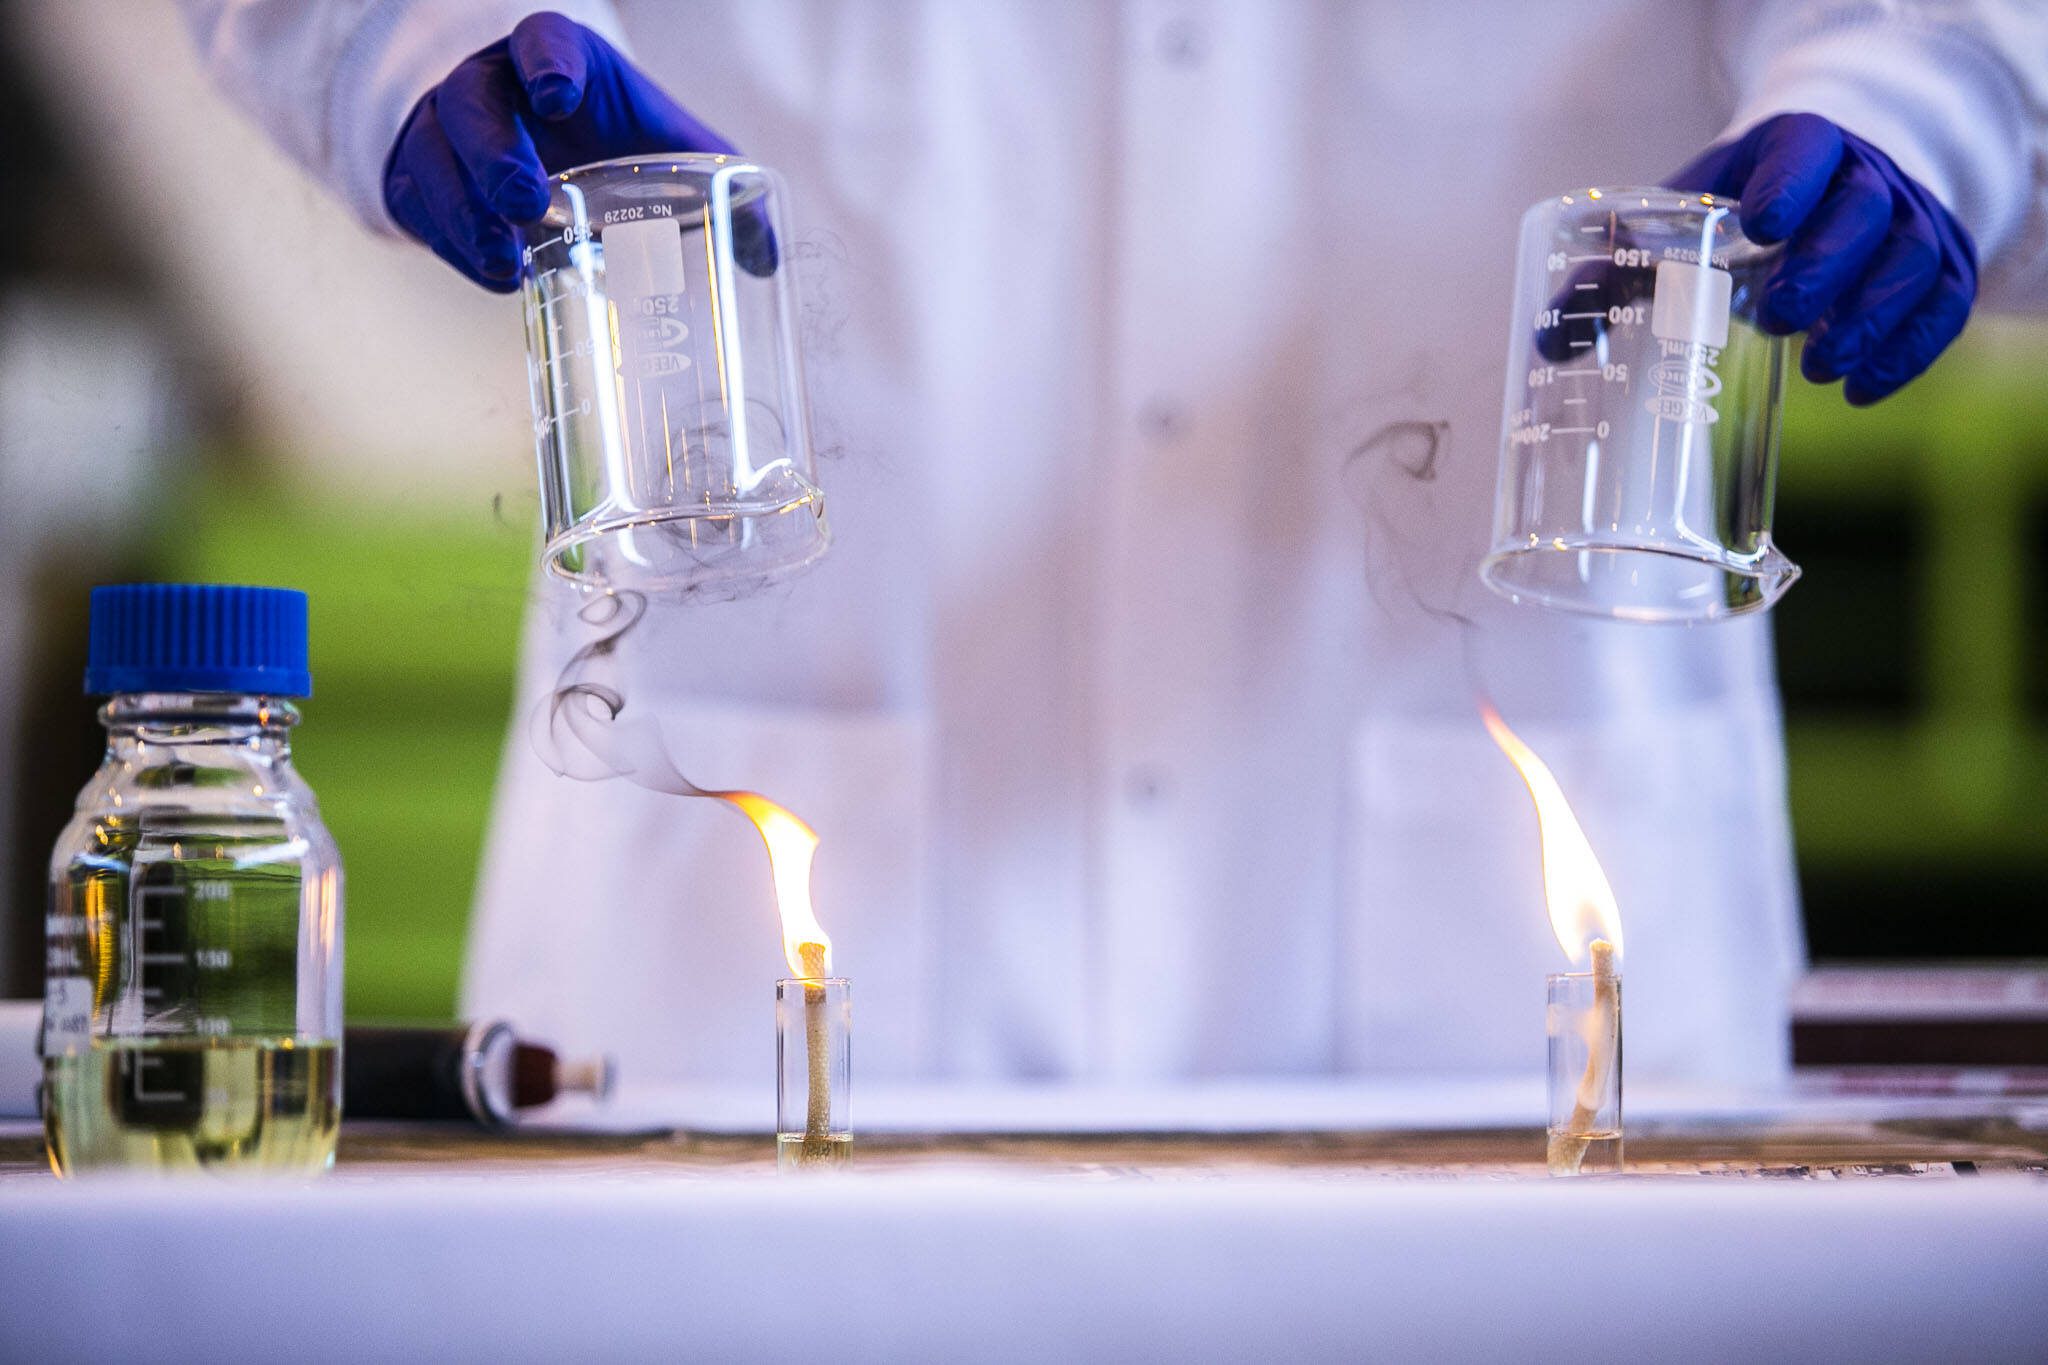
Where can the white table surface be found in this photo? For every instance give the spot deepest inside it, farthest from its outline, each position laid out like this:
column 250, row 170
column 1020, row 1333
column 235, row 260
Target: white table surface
column 439, row 1264
column 916, row 1267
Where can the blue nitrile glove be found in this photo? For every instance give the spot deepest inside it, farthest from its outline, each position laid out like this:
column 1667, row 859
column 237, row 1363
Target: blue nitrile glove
column 473, row 158
column 1876, row 272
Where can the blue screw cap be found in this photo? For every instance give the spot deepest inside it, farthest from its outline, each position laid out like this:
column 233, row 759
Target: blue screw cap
column 198, row 637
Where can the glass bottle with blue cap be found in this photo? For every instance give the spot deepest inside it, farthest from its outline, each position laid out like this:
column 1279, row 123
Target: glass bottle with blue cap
column 192, row 1008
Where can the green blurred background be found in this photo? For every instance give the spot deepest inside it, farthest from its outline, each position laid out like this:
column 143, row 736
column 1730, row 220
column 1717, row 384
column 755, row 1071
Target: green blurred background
column 1914, row 657
column 413, row 683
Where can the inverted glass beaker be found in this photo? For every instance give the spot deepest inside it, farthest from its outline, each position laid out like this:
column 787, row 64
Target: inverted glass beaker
column 668, row 394
column 1639, row 438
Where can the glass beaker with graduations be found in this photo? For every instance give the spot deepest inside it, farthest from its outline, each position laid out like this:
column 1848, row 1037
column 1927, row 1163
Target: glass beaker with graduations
column 668, row 395
column 1639, row 438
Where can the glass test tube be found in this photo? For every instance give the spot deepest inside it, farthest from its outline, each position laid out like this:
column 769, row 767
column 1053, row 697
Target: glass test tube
column 1583, row 1023
column 813, row 1073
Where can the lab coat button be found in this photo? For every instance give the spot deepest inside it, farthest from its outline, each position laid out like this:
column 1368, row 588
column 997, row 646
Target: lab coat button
column 1147, row 784
column 1183, row 42
column 1161, row 421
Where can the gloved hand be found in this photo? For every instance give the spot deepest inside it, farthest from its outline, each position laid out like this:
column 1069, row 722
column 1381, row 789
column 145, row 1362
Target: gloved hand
column 473, row 157
column 1876, row 272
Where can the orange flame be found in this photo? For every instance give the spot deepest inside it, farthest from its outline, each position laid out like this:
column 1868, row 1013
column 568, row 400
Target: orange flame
column 1581, row 902
column 791, row 846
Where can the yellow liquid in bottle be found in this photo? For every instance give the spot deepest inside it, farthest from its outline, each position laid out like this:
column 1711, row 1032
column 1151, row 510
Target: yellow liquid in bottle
column 181, row 1104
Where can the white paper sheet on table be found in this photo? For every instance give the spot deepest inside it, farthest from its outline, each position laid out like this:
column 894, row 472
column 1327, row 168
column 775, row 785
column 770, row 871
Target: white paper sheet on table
column 997, row 1266
column 441, row 1262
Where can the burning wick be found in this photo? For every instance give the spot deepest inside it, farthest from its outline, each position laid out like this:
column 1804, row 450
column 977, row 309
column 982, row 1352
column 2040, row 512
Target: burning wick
column 792, row 846
column 584, row 730
column 817, row 1052
column 1587, row 922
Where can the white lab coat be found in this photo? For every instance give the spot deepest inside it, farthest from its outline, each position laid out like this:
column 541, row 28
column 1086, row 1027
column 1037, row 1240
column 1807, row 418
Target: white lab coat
column 1156, row 349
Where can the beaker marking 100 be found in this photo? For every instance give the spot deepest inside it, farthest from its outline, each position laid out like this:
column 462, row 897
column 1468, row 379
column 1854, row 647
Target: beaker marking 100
column 1619, row 315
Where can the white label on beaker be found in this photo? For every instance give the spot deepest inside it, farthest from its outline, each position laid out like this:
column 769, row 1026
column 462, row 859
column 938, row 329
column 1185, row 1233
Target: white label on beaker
column 67, row 1010
column 1691, row 303
column 644, row 260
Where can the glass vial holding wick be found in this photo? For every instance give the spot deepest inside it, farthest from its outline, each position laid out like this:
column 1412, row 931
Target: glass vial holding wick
column 813, row 1073
column 1583, row 1023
